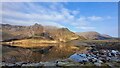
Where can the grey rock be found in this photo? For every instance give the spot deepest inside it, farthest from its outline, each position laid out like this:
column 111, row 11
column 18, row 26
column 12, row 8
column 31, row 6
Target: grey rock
column 9, row 64
column 97, row 64
column 32, row 64
column 49, row 64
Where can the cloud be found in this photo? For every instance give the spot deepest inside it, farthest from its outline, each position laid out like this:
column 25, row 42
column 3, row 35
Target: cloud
column 86, row 28
column 109, row 17
column 30, row 22
column 95, row 18
column 54, row 14
column 75, row 12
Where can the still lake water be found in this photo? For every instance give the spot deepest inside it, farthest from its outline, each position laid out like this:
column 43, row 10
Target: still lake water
column 38, row 52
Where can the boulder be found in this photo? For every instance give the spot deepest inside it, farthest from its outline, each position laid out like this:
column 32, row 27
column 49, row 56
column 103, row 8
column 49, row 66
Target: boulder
column 97, row 64
column 79, row 57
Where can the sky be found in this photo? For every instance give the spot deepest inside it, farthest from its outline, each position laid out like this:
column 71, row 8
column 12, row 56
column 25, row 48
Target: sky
column 101, row 17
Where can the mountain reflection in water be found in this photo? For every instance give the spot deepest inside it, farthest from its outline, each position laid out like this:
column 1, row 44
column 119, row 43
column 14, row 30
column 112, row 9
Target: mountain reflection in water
column 38, row 52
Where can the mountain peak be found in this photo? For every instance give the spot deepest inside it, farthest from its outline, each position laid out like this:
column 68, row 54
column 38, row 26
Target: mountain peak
column 36, row 24
column 64, row 29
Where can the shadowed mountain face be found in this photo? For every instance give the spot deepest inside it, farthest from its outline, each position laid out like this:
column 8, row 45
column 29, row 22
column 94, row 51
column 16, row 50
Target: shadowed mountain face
column 37, row 31
column 94, row 35
column 19, row 32
column 105, row 35
column 22, row 30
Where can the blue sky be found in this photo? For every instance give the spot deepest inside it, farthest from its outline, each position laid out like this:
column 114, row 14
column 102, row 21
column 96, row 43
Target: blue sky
column 77, row 16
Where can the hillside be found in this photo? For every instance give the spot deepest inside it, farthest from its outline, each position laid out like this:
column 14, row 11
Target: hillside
column 37, row 31
column 64, row 34
column 20, row 32
column 92, row 35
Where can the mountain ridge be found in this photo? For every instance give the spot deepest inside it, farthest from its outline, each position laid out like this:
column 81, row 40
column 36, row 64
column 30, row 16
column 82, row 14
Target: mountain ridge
column 93, row 35
column 38, row 31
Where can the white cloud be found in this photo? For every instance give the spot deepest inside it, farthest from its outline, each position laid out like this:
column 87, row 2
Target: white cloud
column 17, row 22
column 54, row 14
column 109, row 17
column 30, row 22
column 95, row 18
column 37, row 12
column 75, row 12
column 86, row 28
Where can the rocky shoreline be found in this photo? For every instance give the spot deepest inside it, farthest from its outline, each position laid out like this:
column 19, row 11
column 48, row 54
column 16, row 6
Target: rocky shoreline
column 59, row 64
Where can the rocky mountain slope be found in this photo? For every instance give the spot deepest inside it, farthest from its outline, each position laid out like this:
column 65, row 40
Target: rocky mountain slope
column 37, row 31
column 12, row 32
column 19, row 32
column 94, row 35
column 63, row 34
